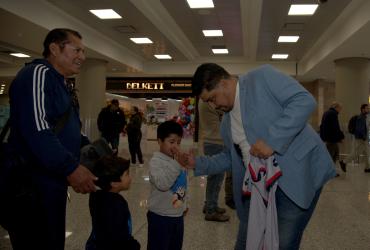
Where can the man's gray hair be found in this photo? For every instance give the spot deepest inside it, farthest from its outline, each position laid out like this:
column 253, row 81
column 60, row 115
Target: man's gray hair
column 335, row 105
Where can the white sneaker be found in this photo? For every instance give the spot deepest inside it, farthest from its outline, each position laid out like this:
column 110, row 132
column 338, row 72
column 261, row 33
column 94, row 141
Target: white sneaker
column 141, row 165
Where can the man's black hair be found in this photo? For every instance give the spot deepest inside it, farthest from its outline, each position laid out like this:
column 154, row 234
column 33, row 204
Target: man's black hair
column 136, row 109
column 168, row 127
column 115, row 102
column 363, row 106
column 109, row 168
column 207, row 76
column 59, row 36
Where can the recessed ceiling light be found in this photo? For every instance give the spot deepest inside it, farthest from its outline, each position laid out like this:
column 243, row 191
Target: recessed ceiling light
column 220, row 51
column 279, row 56
column 163, row 56
column 200, row 4
column 141, row 40
column 288, row 39
column 106, row 14
column 213, row 33
column 2, row 85
column 302, row 9
column 19, row 55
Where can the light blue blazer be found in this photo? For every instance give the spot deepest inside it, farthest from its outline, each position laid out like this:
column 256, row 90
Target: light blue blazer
column 275, row 108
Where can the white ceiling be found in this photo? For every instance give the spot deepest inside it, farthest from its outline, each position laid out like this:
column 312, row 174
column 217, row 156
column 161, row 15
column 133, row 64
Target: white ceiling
column 339, row 28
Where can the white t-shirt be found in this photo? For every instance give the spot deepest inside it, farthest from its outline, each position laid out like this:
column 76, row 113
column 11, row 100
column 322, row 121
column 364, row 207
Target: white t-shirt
column 237, row 130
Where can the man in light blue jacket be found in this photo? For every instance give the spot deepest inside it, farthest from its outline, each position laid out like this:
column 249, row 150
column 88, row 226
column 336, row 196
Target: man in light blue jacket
column 266, row 111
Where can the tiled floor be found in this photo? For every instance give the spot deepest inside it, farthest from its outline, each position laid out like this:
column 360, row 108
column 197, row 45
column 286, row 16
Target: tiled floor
column 341, row 220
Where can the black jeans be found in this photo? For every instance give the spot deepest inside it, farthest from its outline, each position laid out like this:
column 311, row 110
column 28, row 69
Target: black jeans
column 134, row 141
column 37, row 219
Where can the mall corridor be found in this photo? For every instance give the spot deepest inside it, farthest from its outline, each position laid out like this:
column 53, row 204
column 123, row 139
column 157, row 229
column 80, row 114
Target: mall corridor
column 341, row 220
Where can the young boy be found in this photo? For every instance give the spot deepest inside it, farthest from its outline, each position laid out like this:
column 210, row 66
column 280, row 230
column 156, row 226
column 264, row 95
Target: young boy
column 166, row 203
column 110, row 215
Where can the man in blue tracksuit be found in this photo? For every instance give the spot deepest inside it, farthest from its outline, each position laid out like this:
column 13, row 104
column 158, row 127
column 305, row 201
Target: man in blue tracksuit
column 39, row 97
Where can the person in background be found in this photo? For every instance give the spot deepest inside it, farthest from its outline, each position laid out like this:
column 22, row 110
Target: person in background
column 110, row 214
column 209, row 123
column 134, row 135
column 330, row 131
column 361, row 140
column 167, row 199
column 266, row 114
column 111, row 122
column 39, row 96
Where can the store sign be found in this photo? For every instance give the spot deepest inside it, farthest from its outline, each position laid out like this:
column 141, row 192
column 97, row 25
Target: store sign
column 181, row 85
column 144, row 85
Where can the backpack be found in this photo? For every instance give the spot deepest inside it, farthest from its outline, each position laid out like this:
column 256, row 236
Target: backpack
column 352, row 124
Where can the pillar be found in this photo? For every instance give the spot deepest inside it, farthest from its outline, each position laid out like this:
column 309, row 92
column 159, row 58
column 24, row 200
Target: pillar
column 91, row 85
column 352, row 77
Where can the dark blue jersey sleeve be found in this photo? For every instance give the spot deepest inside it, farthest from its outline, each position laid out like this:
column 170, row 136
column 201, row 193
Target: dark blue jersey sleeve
column 37, row 101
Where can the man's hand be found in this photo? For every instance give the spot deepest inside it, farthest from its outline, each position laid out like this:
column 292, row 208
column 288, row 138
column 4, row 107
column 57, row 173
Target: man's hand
column 261, row 150
column 186, row 160
column 181, row 158
column 191, row 159
column 82, row 180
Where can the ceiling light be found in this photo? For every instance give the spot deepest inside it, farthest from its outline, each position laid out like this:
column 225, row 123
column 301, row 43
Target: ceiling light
column 19, row 55
column 2, row 85
column 141, row 40
column 288, row 39
column 220, row 51
column 106, row 14
column 213, row 33
column 200, row 4
column 302, row 9
column 163, row 56
column 279, row 56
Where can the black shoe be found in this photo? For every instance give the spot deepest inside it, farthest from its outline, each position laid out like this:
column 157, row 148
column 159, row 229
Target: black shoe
column 367, row 170
column 217, row 217
column 343, row 166
column 219, row 210
column 230, row 204
column 337, row 175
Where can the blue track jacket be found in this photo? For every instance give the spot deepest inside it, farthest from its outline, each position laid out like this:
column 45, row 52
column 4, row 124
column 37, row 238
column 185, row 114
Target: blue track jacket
column 38, row 98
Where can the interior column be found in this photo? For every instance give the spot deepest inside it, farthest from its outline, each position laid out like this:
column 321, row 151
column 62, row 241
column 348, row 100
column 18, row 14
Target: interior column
column 91, row 84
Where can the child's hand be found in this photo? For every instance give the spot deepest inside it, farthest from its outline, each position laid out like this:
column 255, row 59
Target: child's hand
column 190, row 161
column 181, row 158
